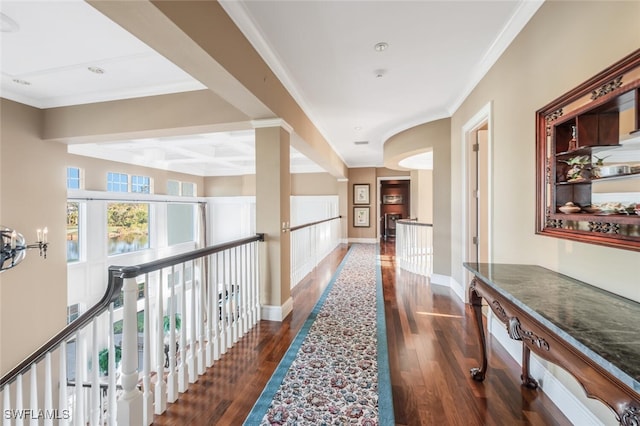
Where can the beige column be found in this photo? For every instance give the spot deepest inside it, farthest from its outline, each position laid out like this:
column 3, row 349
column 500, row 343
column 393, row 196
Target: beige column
column 273, row 191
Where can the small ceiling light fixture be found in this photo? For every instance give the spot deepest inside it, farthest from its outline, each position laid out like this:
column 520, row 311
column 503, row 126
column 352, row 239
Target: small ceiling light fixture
column 96, row 70
column 358, row 128
column 381, row 47
column 380, row 73
column 20, row 81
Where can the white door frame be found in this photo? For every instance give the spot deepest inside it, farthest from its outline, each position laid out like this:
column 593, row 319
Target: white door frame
column 482, row 117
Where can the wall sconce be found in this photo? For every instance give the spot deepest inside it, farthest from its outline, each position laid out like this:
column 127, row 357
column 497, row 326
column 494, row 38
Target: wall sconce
column 14, row 247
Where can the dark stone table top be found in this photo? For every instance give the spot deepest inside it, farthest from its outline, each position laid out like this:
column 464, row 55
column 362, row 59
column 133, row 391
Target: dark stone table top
column 602, row 325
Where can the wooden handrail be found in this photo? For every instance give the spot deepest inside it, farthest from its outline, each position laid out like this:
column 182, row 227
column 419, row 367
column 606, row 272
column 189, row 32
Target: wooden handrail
column 117, row 274
column 306, row 225
column 413, row 222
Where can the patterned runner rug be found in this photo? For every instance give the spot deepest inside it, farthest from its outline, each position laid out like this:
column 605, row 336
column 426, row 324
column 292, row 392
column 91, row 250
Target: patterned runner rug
column 336, row 371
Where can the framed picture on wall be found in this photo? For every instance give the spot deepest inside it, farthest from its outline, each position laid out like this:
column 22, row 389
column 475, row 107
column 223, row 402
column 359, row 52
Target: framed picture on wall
column 361, row 217
column 392, row 199
column 361, row 193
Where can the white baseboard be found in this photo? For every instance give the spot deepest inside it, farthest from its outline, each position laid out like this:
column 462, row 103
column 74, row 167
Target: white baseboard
column 569, row 404
column 447, row 281
column 276, row 313
column 364, row 240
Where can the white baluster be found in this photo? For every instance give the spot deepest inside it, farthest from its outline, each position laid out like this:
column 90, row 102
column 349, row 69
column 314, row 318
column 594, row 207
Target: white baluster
column 205, row 301
column 6, row 404
column 172, row 378
column 183, row 378
column 19, row 404
column 191, row 357
column 63, row 400
column 214, row 272
column 256, row 284
column 33, row 400
column 147, row 395
column 95, row 378
column 48, row 391
column 233, row 297
column 160, row 393
column 244, row 292
column 78, row 408
column 130, row 402
column 112, row 407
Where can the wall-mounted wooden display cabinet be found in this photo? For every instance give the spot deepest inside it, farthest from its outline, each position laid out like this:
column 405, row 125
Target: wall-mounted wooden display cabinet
column 588, row 160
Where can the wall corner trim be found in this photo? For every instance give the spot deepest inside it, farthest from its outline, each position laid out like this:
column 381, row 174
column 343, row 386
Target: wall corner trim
column 277, row 313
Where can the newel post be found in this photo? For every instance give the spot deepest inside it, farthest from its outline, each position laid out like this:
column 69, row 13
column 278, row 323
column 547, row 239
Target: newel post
column 130, row 402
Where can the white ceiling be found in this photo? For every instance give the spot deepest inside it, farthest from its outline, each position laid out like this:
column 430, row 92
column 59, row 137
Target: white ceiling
column 323, row 51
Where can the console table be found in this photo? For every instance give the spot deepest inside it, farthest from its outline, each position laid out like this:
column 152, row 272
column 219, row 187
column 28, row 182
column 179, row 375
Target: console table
column 591, row 333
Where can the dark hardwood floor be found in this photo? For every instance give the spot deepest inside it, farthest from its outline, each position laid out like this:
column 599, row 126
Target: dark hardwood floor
column 432, row 346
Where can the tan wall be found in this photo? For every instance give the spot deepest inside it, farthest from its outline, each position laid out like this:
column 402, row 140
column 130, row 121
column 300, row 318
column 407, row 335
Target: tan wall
column 313, row 184
column 422, row 195
column 95, row 173
column 361, row 176
column 437, row 136
column 33, row 295
column 562, row 46
column 230, row 186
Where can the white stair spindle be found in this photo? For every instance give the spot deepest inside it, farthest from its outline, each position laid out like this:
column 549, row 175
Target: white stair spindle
column 233, row 297
column 33, row 391
column 191, row 357
column 63, row 399
column 112, row 406
column 95, row 378
column 183, row 378
column 256, row 283
column 130, row 402
column 78, row 408
column 147, row 395
column 245, row 291
column 213, row 280
column 206, row 333
column 172, row 378
column 6, row 404
column 160, row 393
column 19, row 403
column 227, row 297
column 48, row 390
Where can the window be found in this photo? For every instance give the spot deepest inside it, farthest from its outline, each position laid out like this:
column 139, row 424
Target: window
column 117, row 182
column 73, row 234
column 128, row 227
column 188, row 189
column 73, row 312
column 185, row 189
column 141, row 184
column 180, row 223
column 73, row 178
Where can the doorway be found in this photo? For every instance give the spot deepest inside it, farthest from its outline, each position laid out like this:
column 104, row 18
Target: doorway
column 394, row 204
column 477, row 195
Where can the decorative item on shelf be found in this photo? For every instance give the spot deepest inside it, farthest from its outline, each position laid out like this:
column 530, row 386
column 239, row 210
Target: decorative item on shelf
column 14, row 246
column 573, row 143
column 579, row 165
column 596, row 166
column 569, row 208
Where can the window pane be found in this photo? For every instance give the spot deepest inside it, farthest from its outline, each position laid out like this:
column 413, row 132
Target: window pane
column 73, row 178
column 188, row 189
column 128, row 227
column 117, row 182
column 141, row 184
column 180, row 223
column 73, row 235
column 173, row 187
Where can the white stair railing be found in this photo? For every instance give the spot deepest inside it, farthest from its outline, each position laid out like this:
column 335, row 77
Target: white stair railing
column 414, row 246
column 310, row 243
column 178, row 315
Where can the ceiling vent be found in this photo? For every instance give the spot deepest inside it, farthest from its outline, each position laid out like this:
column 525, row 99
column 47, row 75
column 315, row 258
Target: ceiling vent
column 361, row 142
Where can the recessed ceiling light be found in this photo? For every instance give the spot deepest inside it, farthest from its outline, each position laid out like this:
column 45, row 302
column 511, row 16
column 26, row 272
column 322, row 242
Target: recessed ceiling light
column 357, row 128
column 380, row 47
column 380, row 73
column 96, row 70
column 23, row 82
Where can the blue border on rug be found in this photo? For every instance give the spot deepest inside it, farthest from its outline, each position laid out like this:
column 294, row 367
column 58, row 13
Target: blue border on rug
column 386, row 415
column 264, row 401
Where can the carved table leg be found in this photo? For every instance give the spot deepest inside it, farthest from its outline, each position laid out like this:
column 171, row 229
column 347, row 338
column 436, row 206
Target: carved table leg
column 476, row 304
column 526, row 378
